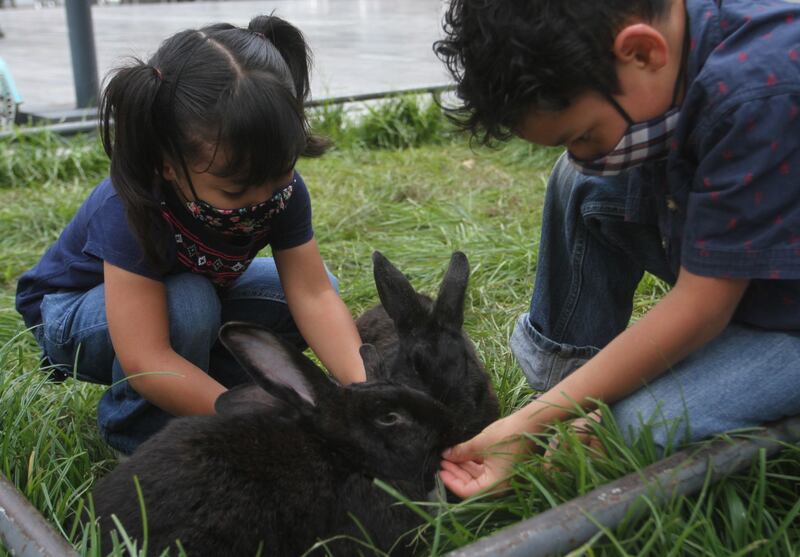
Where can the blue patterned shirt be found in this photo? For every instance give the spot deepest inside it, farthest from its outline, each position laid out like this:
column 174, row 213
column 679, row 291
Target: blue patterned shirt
column 729, row 193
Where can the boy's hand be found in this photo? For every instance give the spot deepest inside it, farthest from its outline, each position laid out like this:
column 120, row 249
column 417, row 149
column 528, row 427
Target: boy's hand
column 484, row 462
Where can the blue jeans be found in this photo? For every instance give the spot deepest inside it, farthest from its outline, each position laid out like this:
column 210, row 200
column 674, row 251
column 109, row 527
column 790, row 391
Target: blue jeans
column 591, row 259
column 74, row 336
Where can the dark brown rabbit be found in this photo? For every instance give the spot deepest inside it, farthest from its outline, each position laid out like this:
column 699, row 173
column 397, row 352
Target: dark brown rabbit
column 423, row 344
column 285, row 462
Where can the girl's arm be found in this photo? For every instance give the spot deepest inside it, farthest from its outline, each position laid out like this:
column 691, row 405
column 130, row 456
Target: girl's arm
column 320, row 315
column 695, row 311
column 136, row 309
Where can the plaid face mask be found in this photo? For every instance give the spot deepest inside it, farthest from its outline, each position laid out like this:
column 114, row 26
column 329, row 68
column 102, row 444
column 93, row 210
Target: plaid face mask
column 643, row 142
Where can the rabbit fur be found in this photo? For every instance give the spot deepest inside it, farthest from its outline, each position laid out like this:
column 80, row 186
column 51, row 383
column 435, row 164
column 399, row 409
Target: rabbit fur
column 422, row 342
column 284, row 463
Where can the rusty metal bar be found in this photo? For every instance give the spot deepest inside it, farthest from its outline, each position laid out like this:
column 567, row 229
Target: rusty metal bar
column 23, row 529
column 563, row 528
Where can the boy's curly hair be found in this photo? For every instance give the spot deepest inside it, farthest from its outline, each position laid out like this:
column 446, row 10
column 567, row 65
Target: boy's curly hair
column 508, row 56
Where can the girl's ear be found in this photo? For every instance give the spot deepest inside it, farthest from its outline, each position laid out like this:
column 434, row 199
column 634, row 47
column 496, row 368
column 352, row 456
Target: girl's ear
column 168, row 172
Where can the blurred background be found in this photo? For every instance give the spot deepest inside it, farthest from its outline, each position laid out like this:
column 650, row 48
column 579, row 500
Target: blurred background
column 359, row 46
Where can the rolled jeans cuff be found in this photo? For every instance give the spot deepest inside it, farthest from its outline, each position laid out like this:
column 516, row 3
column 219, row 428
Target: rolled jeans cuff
column 543, row 361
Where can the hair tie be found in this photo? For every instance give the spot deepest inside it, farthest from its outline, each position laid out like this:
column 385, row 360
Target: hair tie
column 158, row 74
column 260, row 34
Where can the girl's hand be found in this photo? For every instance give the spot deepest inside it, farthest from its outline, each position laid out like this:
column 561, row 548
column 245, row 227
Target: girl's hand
column 485, row 462
column 320, row 315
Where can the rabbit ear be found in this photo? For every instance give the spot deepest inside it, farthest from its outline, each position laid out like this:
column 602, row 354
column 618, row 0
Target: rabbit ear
column 276, row 366
column 249, row 398
column 449, row 306
column 373, row 364
column 397, row 296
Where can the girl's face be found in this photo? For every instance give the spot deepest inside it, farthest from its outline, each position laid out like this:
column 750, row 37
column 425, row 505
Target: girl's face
column 222, row 193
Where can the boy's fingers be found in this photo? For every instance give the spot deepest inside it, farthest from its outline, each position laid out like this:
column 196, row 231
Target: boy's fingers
column 461, row 453
column 452, row 482
column 465, row 471
column 457, row 471
column 473, row 468
column 460, row 480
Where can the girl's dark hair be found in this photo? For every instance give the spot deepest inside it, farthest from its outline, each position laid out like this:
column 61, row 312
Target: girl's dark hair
column 508, row 56
column 217, row 88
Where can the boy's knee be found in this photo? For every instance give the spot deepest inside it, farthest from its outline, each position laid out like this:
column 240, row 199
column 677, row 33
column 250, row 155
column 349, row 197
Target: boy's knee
column 568, row 189
column 641, row 419
column 563, row 179
column 563, row 170
column 194, row 308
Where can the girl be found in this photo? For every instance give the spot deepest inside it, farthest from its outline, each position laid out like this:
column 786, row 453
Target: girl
column 203, row 141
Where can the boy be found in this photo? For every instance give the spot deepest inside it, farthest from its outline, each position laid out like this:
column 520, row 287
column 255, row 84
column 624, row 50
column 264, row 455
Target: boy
column 682, row 129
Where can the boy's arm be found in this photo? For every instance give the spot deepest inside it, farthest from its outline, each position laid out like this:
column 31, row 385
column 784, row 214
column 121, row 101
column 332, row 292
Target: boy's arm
column 695, row 311
column 320, row 315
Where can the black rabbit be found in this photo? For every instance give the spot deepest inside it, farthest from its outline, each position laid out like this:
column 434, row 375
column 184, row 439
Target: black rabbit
column 422, row 342
column 285, row 462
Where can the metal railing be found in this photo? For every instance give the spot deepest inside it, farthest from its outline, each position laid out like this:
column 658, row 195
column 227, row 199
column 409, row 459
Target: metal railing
column 568, row 526
column 24, row 531
column 87, row 121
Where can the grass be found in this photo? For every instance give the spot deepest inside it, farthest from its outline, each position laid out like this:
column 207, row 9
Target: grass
column 398, row 183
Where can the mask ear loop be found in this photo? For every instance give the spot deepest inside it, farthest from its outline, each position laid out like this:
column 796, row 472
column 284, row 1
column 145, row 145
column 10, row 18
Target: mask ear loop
column 619, row 108
column 678, row 82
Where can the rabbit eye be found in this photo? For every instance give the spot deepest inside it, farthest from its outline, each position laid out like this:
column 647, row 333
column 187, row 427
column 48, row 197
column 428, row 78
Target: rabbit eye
column 390, row 419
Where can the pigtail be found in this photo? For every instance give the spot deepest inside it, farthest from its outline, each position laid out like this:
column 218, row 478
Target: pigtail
column 132, row 140
column 290, row 43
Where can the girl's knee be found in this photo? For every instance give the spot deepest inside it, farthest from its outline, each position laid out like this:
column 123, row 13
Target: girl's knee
column 194, row 308
column 261, row 280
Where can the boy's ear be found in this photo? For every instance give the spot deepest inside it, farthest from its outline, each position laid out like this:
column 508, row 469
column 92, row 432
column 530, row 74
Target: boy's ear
column 643, row 45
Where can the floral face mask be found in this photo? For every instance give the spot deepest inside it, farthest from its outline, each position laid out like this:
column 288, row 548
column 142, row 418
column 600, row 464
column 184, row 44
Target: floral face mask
column 242, row 222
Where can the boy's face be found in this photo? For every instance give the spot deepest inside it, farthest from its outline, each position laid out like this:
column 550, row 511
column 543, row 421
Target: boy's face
column 648, row 63
column 589, row 128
